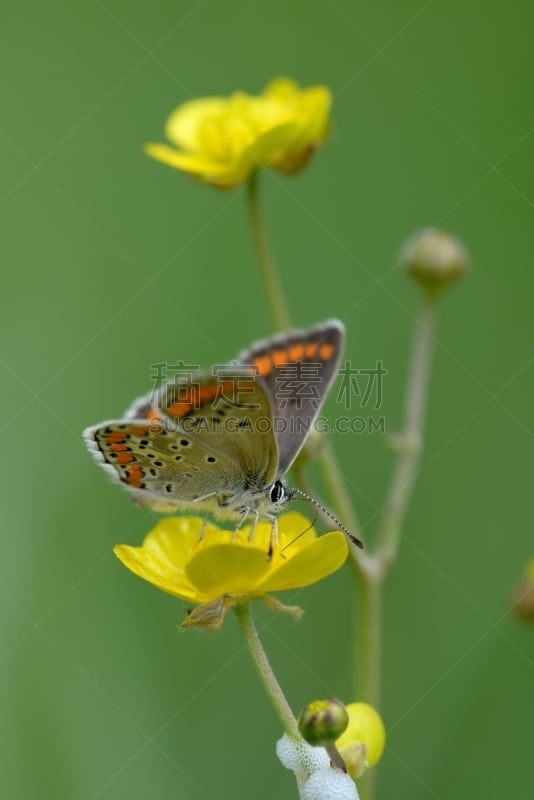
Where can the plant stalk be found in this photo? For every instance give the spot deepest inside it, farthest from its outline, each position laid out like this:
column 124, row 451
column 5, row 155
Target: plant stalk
column 269, row 273
column 264, row 669
column 409, row 443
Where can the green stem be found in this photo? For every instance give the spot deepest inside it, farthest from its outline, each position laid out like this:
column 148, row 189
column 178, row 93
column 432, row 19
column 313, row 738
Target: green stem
column 409, row 442
column 368, row 639
column 408, row 445
column 281, row 706
column 269, row 274
column 369, row 632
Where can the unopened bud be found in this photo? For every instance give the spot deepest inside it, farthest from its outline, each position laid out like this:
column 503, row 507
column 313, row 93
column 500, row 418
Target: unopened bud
column 323, row 721
column 434, row 259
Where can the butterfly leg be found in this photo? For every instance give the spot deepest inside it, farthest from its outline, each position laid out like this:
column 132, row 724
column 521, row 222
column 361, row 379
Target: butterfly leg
column 254, row 525
column 273, row 540
column 240, row 521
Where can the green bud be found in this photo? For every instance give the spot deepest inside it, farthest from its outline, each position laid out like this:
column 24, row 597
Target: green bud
column 323, row 721
column 434, row 259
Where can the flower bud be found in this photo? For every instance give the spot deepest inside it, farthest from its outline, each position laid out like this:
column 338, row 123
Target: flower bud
column 434, row 259
column 362, row 743
column 523, row 598
column 323, row 721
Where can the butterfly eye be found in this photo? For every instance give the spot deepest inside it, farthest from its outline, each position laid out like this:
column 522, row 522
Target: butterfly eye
column 277, row 492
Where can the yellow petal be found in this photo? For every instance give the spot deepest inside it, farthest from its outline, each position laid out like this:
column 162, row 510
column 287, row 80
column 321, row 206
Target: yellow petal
column 315, row 108
column 309, row 111
column 294, row 533
column 184, row 123
column 311, row 107
column 220, row 174
column 365, row 726
column 266, row 147
column 309, row 564
column 281, row 89
column 162, row 557
column 143, row 564
column 231, row 568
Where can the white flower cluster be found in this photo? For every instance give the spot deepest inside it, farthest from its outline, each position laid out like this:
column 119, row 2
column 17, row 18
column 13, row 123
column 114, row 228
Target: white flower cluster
column 316, row 779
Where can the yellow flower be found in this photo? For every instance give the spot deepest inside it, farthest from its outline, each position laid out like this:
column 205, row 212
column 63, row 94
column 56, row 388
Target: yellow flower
column 223, row 567
column 224, row 140
column 362, row 743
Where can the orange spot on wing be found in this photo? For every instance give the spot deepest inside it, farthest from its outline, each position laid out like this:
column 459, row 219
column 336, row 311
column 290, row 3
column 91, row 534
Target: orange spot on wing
column 116, row 436
column 311, row 349
column 153, row 416
column 280, row 357
column 179, row 409
column 263, row 364
column 189, row 395
column 125, row 458
column 134, row 475
column 136, row 430
column 296, row 352
column 117, row 447
column 226, row 388
column 210, row 391
column 326, row 351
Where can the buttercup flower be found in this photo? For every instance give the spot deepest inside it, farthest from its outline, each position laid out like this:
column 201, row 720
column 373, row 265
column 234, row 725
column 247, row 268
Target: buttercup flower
column 223, row 568
column 362, row 743
column 224, row 140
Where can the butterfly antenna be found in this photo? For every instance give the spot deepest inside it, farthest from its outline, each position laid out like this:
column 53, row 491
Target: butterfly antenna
column 348, row 534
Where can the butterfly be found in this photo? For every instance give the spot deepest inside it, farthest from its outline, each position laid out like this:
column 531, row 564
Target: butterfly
column 222, row 442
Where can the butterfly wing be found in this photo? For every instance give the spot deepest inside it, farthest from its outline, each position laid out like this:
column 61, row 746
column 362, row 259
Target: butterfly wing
column 297, row 370
column 230, row 412
column 142, row 407
column 195, row 443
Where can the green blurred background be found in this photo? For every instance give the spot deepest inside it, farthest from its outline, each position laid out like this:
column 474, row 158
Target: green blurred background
column 112, row 262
